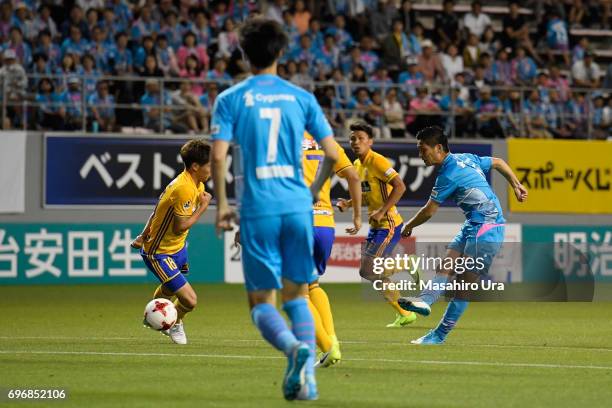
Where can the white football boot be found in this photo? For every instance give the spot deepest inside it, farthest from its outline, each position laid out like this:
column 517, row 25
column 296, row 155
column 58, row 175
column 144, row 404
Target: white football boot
column 177, row 333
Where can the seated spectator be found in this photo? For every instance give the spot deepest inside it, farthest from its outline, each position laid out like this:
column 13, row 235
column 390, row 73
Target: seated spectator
column 524, row 68
column 207, row 100
column 395, row 125
column 586, row 73
column 47, row 47
column 446, row 25
column 301, row 16
column 240, row 9
column 360, row 104
column 98, row 48
column 381, row 18
column 557, row 37
column 144, row 25
column 151, row 103
column 102, row 109
column 502, row 69
column 76, row 18
column 516, row 32
column 416, row 39
column 75, row 44
column 375, row 112
column 195, row 72
column 43, row 22
column 489, row 43
column 476, row 21
column 343, row 39
column 328, row 56
column 111, row 24
column 201, row 28
column 316, row 35
column 411, row 79
column 380, row 80
column 227, row 40
column 72, row 102
column 347, row 62
column 119, row 57
column 535, row 117
column 602, row 118
column 577, row 113
column 423, row 112
column 191, row 47
column 166, row 58
column 471, row 52
column 22, row 49
column 147, row 48
column 50, row 114
column 459, row 114
column 303, row 76
column 558, row 82
column 218, row 72
column 188, row 109
column 430, row 65
column 41, row 68
column 369, row 58
column 90, row 74
column 172, row 29
column 556, row 116
column 543, row 86
column 15, row 85
column 477, row 82
column 63, row 72
column 488, row 114
column 452, row 62
column 512, row 121
column 579, row 49
column 395, row 48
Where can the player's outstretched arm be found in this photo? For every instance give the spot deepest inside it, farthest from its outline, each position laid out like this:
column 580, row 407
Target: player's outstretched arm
column 504, row 169
column 396, row 194
column 138, row 242
column 331, row 156
column 354, row 184
column 225, row 214
column 182, row 224
column 421, row 217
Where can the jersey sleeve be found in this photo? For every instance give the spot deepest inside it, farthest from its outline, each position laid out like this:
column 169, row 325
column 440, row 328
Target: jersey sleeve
column 222, row 123
column 316, row 123
column 343, row 160
column 443, row 189
column 182, row 204
column 484, row 162
column 382, row 169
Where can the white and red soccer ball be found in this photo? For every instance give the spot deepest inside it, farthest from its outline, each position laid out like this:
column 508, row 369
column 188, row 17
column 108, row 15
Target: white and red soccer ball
column 160, row 314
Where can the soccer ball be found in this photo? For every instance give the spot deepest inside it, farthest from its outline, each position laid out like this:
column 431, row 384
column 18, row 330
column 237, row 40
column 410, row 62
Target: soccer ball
column 160, row 314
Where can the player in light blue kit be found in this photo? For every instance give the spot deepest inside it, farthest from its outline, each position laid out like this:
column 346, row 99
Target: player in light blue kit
column 461, row 177
column 265, row 117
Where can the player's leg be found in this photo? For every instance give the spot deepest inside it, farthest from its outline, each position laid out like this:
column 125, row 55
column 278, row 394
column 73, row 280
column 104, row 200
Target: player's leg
column 298, row 271
column 318, row 302
column 162, row 292
column 427, row 297
column 381, row 243
column 261, row 261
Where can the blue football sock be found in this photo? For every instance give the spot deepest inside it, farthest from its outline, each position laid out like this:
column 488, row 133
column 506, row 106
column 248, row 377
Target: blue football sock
column 454, row 310
column 273, row 327
column 431, row 296
column 302, row 325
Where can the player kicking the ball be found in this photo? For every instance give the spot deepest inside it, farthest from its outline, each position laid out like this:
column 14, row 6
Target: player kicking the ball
column 382, row 189
column 461, row 177
column 162, row 242
column 266, row 117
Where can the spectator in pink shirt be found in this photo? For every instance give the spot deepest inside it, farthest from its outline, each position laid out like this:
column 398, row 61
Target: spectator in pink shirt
column 425, row 108
column 558, row 82
column 430, row 65
column 193, row 70
column 191, row 47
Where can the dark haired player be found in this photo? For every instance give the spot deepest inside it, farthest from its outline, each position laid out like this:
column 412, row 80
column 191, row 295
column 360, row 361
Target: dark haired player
column 382, row 189
column 461, row 177
column 265, row 117
column 162, row 242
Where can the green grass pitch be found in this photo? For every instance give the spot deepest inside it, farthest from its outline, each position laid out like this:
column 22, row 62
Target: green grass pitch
column 89, row 340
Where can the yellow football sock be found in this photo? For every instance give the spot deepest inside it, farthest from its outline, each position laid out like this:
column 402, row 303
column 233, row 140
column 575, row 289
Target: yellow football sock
column 321, row 336
column 392, row 296
column 320, row 300
column 162, row 292
column 181, row 309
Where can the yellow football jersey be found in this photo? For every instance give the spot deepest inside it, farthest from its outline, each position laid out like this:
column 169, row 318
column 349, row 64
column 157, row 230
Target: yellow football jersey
column 312, row 158
column 179, row 199
column 375, row 173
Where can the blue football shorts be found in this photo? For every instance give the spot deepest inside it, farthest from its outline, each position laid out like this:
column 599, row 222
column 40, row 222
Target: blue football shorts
column 168, row 268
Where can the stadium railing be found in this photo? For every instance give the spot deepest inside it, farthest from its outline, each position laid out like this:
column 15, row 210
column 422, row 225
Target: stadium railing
column 24, row 110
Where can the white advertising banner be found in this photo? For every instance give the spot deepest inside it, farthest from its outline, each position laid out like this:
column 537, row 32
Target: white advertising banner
column 12, row 172
column 428, row 240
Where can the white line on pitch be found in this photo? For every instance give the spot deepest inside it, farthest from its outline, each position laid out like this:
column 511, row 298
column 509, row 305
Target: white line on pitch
column 374, row 360
column 502, row 346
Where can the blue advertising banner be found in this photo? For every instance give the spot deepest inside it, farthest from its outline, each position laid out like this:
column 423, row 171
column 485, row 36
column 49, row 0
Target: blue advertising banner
column 94, row 253
column 133, row 171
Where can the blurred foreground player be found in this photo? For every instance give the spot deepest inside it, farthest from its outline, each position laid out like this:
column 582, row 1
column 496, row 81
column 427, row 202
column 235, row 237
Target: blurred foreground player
column 324, row 235
column 162, row 242
column 461, row 177
column 266, row 117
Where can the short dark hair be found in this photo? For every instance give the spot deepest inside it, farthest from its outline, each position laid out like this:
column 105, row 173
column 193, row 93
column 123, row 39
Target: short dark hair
column 363, row 127
column 262, row 41
column 433, row 135
column 195, row 151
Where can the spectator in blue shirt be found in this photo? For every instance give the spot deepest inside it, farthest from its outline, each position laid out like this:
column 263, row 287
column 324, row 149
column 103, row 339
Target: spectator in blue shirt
column 523, row 67
column 21, row 48
column 488, row 109
column 343, row 39
column 119, row 57
column 147, row 48
column 50, row 113
column 72, row 100
column 557, row 37
column 47, row 47
column 102, row 108
column 75, row 44
column 144, row 25
column 151, row 103
column 76, row 19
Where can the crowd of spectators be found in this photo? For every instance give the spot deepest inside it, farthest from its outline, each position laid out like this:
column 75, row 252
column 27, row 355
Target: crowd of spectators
column 111, row 64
